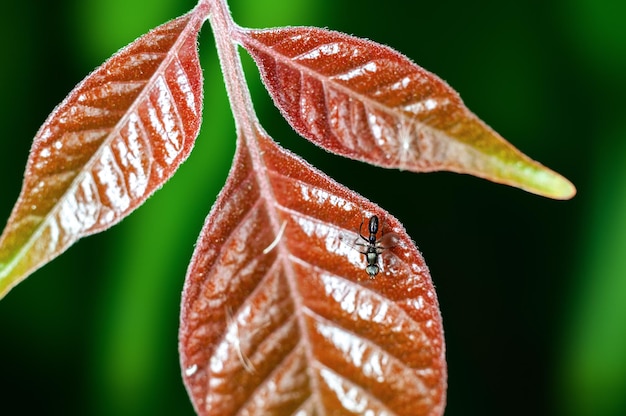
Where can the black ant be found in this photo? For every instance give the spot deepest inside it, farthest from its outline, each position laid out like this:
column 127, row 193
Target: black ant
column 373, row 247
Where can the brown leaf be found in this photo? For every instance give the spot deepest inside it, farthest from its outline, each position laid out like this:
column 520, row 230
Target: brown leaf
column 279, row 315
column 365, row 101
column 116, row 138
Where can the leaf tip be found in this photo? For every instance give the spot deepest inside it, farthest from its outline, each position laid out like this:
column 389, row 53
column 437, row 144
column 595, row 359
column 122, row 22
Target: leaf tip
column 6, row 282
column 535, row 178
column 556, row 186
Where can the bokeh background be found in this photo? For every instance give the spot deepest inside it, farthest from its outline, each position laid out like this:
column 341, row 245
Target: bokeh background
column 532, row 291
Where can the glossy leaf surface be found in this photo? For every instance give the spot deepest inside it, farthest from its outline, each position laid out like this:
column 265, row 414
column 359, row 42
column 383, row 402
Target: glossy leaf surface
column 366, row 101
column 278, row 314
column 117, row 137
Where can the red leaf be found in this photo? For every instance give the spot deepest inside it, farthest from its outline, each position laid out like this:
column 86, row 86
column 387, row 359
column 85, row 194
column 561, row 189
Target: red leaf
column 279, row 315
column 116, row 138
column 365, row 101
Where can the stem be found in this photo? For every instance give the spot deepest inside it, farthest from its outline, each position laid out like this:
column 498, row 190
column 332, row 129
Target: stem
column 249, row 129
column 232, row 69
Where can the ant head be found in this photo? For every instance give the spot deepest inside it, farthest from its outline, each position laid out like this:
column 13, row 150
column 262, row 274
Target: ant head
column 373, row 225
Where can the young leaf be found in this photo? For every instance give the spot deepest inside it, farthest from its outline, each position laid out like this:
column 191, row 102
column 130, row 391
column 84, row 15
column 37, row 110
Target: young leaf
column 365, row 101
column 279, row 315
column 116, row 138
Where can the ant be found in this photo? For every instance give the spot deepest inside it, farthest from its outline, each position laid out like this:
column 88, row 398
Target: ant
column 373, row 247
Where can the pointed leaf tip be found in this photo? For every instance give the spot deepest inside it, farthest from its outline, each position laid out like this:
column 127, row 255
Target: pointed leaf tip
column 365, row 101
column 562, row 188
column 542, row 181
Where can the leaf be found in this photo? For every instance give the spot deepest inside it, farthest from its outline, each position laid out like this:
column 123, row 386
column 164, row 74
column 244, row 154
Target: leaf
column 115, row 139
column 279, row 315
column 365, row 101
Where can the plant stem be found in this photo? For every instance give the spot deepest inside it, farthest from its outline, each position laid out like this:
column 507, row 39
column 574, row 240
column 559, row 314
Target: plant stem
column 238, row 93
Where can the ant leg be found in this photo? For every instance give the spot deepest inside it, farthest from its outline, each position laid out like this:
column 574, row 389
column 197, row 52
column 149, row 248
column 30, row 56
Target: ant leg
column 361, row 234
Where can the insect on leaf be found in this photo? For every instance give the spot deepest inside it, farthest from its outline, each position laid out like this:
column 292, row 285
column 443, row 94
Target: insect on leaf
column 279, row 316
column 116, row 138
column 363, row 100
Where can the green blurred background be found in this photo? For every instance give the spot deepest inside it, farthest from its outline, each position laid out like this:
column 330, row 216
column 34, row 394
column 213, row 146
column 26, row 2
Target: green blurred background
column 532, row 291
